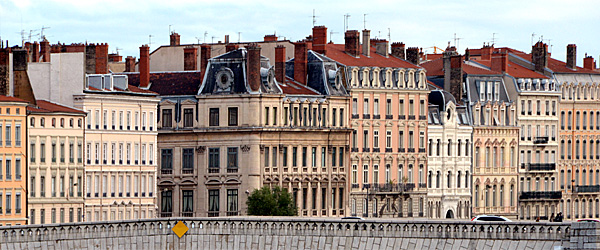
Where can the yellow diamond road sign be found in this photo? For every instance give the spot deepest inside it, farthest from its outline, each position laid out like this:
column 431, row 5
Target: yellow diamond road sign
column 180, row 229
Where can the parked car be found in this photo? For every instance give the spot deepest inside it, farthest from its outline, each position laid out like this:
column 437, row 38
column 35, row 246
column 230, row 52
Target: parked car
column 490, row 218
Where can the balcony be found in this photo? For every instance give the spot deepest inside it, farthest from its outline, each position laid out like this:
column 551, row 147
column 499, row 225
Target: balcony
column 376, row 116
column 187, row 171
column 166, row 214
column 411, row 150
column 540, row 195
column 355, row 185
column 389, row 117
column 366, row 116
column 540, row 166
column 213, row 214
column 411, row 117
column 389, row 187
column 401, row 117
column 366, row 150
column 388, row 150
column 422, row 117
column 213, row 170
column 232, row 170
column 421, row 150
column 376, row 150
column 587, row 189
column 166, row 171
column 187, row 214
column 540, row 140
column 354, row 149
column 355, row 116
column 232, row 213
column 402, row 150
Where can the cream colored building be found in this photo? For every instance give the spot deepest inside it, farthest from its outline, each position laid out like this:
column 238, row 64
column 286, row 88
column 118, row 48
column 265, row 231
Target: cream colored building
column 56, row 168
column 13, row 154
column 449, row 161
column 120, row 149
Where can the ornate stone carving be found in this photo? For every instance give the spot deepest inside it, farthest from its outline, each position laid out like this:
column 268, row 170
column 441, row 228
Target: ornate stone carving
column 245, row 148
column 200, row 149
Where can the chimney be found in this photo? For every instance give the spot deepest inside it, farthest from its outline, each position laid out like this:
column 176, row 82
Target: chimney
column 486, row 52
column 45, row 50
column 115, row 58
column 412, row 55
column 456, row 76
column 399, row 50
column 102, row 58
column 467, row 54
column 144, row 66
column 571, row 56
column 35, row 55
column 28, row 47
column 130, row 64
column 204, row 56
column 280, row 63
column 175, row 39
column 4, row 70
column 74, row 47
column 270, row 38
column 226, row 39
column 539, row 56
column 300, row 62
column 366, row 45
column 589, row 62
column 190, row 58
column 253, row 66
column 499, row 61
column 230, row 47
column 381, row 46
column 90, row 58
column 320, row 39
column 21, row 83
column 352, row 45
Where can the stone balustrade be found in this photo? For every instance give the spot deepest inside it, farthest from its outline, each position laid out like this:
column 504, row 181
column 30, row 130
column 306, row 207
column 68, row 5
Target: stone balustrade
column 286, row 233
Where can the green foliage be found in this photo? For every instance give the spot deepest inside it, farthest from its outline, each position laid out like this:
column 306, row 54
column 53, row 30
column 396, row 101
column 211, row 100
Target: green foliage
column 267, row 202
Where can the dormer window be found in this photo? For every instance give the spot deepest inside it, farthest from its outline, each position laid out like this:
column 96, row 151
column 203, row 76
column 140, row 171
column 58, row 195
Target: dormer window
column 482, row 91
column 489, row 90
column 496, row 91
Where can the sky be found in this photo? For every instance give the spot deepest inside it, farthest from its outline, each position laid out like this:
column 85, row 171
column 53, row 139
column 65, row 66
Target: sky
column 125, row 25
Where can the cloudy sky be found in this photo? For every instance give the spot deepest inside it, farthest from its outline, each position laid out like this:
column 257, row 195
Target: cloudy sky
column 426, row 23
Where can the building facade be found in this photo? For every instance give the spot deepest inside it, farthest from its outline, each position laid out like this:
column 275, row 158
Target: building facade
column 120, row 145
column 56, row 168
column 251, row 128
column 13, row 183
column 449, row 158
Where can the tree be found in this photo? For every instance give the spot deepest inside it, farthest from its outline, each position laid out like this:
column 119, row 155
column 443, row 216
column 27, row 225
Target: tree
column 271, row 202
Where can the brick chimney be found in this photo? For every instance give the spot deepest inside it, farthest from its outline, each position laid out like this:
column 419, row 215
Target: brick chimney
column 539, row 56
column 381, row 46
column 4, row 70
column 270, row 38
column 144, row 66
column 90, row 58
column 74, row 47
column 589, row 62
column 352, row 43
column 115, row 57
column 280, row 63
column 467, row 54
column 366, row 42
column 571, row 56
column 412, row 55
column 175, row 39
column 226, row 39
column 130, row 64
column 320, row 39
column 399, row 50
column 499, row 61
column 230, row 47
column 204, row 56
column 45, row 50
column 102, row 58
column 300, row 63
column 190, row 58
column 253, row 66
column 35, row 54
column 486, row 52
column 456, row 77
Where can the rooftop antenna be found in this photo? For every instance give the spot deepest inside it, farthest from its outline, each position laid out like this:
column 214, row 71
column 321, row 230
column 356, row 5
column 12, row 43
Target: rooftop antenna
column 346, row 21
column 314, row 18
column 365, row 21
column 212, row 39
column 117, row 49
column 456, row 41
column 150, row 40
column 170, row 28
column 389, row 35
column 239, row 36
column 549, row 44
column 331, row 34
column 532, row 36
column 494, row 38
column 198, row 39
column 42, row 37
column 205, row 34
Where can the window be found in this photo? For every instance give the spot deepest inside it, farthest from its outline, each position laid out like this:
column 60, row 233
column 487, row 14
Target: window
column 274, row 115
column 314, row 157
column 401, row 108
column 18, row 169
column 232, row 202
column 333, row 155
column 354, row 174
column 166, row 159
column 188, row 117
column 214, row 117
column 232, row 157
column 323, row 158
column 388, row 107
column 213, row 202
column 266, row 154
column 376, row 139
column 17, row 135
column 376, row 107
column 188, row 159
column 213, row 160
column 187, row 206
column 167, row 118
column 7, row 137
column 365, row 174
column 167, row 202
column 285, row 156
column 422, row 108
column 8, row 169
column 341, row 158
column 304, row 156
column 388, row 139
column 366, row 139
column 266, row 115
column 354, row 106
column 366, row 106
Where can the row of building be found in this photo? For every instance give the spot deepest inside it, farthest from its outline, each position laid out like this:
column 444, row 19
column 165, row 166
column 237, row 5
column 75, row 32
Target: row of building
column 363, row 128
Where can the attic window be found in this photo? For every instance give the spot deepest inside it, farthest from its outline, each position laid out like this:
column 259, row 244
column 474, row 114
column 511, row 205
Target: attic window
column 496, row 91
column 482, row 91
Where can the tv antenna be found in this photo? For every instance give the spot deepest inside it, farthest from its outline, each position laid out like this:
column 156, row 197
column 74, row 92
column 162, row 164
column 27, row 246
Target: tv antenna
column 205, row 34
column 198, row 39
column 170, row 28
column 365, row 21
column 118, row 49
column 150, row 40
column 42, row 37
column 532, row 36
column 494, row 38
column 346, row 16
column 212, row 39
column 456, row 41
column 331, row 34
column 389, row 35
column 239, row 36
column 314, row 18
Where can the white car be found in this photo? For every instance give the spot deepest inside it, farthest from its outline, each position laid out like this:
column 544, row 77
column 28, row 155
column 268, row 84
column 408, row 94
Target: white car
column 490, row 218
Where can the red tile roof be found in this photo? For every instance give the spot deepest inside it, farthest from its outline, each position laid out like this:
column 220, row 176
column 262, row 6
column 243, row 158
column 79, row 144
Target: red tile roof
column 516, row 70
column 4, row 98
column 337, row 53
column 44, row 106
column 292, row 87
column 555, row 65
column 171, row 83
column 436, row 68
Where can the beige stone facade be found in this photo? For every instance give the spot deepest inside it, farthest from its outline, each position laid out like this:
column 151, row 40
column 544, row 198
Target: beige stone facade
column 13, row 152
column 56, row 168
column 120, row 161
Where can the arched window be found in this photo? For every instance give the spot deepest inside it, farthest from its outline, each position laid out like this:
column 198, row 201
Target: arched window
column 429, row 179
column 449, row 178
column 476, row 196
column 438, row 179
column 458, row 179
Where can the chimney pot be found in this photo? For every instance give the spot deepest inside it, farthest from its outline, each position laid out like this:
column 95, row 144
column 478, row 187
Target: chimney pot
column 130, row 64
column 352, row 43
column 280, row 63
column 320, row 39
column 102, row 58
column 589, row 62
column 412, row 55
column 175, row 39
column 572, row 56
column 399, row 50
column 499, row 61
column 539, row 56
column 144, row 66
column 45, row 50
column 270, row 38
column 300, row 63
column 366, row 45
column 381, row 46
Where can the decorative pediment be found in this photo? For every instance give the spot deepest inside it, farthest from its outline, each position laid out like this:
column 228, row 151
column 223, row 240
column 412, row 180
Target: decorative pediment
column 376, row 123
column 165, row 102
column 366, row 124
column 212, row 181
column 513, row 143
column 232, row 181
column 389, row 124
column 188, row 102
